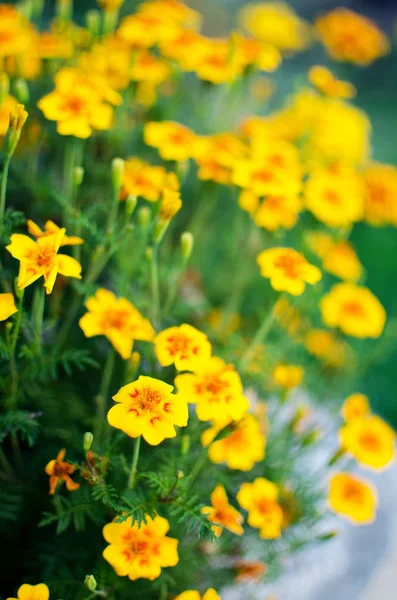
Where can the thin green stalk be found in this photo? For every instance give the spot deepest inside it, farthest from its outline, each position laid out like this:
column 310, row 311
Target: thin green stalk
column 261, row 334
column 3, row 188
column 154, row 285
column 38, row 315
column 13, row 344
column 68, row 168
column 134, row 464
column 102, row 396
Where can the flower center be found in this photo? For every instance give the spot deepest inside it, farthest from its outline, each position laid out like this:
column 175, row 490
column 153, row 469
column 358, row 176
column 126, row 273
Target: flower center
column 352, row 493
column 354, row 309
column 75, row 104
column 115, row 319
column 45, row 256
column 371, row 442
column 332, row 197
column 146, row 399
column 289, row 264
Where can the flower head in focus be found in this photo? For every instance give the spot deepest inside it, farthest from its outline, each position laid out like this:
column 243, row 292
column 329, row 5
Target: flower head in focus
column 184, row 346
column 288, row 270
column 59, row 470
column 353, row 498
column 140, row 551
column 222, row 514
column 50, row 228
column 32, row 592
column 117, row 319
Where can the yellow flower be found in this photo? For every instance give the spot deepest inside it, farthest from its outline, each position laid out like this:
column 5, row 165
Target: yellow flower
column 140, row 551
column 210, row 594
column 355, row 406
column 215, row 388
column 338, row 258
column 353, row 498
column 216, row 61
column 171, row 203
column 7, row 306
column 110, row 59
column 14, row 31
column 55, row 44
column 241, row 449
column 117, row 319
column 77, row 103
column 142, row 180
column 380, row 206
column 148, row 407
column 325, row 346
column 260, row 499
column 216, row 154
column 41, row 259
column 354, row 309
column 335, row 199
column 288, row 376
column 184, row 47
column 173, row 141
column 288, row 270
column 50, row 228
column 222, row 514
column 59, row 470
column 149, row 68
column 278, row 211
column 6, row 107
column 32, row 592
column 184, row 346
column 370, row 440
column 276, row 23
column 350, row 37
column 327, row 84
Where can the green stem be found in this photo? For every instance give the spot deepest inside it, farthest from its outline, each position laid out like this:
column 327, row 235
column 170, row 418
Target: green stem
column 3, row 189
column 102, row 396
column 195, row 472
column 13, row 345
column 174, row 287
column 68, row 168
column 261, row 334
column 154, row 284
column 134, row 464
column 38, row 314
column 110, row 21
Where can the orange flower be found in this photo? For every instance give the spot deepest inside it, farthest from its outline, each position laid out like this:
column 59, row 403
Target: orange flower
column 222, row 514
column 173, row 140
column 353, row 498
column 59, row 470
column 248, row 571
column 325, row 82
column 380, row 207
column 288, row 270
column 142, row 180
column 184, row 346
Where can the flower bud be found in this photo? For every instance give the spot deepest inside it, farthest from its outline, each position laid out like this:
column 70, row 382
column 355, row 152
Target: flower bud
column 159, row 231
column 90, row 583
column 144, row 216
column 180, row 474
column 187, row 243
column 87, row 440
column 18, row 118
column 110, row 5
column 4, row 87
column 64, row 9
column 78, row 175
column 117, row 172
column 93, row 21
column 130, row 204
column 185, row 444
column 22, row 90
column 38, row 6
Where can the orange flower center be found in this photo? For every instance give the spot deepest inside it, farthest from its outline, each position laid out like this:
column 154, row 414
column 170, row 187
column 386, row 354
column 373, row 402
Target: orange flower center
column 352, row 493
column 264, row 176
column 371, row 441
column 332, row 197
column 146, row 399
column 115, row 319
column 179, row 344
column 355, row 309
column 291, row 265
column 379, row 195
column 212, row 384
column 45, row 256
column 75, row 104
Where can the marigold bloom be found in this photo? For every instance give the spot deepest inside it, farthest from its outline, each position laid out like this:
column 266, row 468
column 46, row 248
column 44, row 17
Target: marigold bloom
column 216, row 389
column 353, row 498
column 216, row 61
column 287, row 269
column 7, row 306
column 140, row 551
column 335, row 200
column 248, row 571
column 325, row 346
column 50, row 228
column 59, row 470
column 210, row 594
column 117, row 319
column 171, row 203
column 274, row 212
column 338, row 258
column 222, row 514
column 148, row 407
column 225, row 148
column 241, row 449
column 354, row 309
column 288, row 376
column 260, row 499
column 41, row 259
column 6, row 108
column 355, row 406
column 184, row 346
column 32, row 592
column 276, row 24
column 348, row 36
column 14, row 31
column 370, row 440
column 326, row 83
column 110, row 59
column 142, row 180
column 380, row 207
column 173, row 141
column 149, row 68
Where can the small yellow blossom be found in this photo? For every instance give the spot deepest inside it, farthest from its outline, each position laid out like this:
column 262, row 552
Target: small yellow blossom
column 355, row 406
column 41, row 259
column 7, row 306
column 117, row 319
column 370, row 440
column 111, row 60
column 50, row 228
column 59, row 470
column 338, row 258
column 173, row 141
column 14, row 31
column 222, row 514
column 32, row 592
column 210, row 594
column 142, row 180
column 353, row 498
column 348, row 36
column 171, row 203
column 184, row 346
column 6, row 107
column 216, row 61
column 140, row 551
column 380, row 207
column 288, row 376
column 149, row 68
column 260, row 499
column 276, row 23
column 327, row 84
column 216, row 389
column 354, row 309
column 288, row 270
column 241, row 449
column 325, row 346
column 279, row 211
column 148, row 407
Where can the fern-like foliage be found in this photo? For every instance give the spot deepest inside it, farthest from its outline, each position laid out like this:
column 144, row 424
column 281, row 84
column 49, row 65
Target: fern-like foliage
column 20, row 422
column 72, row 511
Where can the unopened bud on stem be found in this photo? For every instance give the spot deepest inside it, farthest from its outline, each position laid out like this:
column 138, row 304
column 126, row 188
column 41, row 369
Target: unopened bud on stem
column 187, row 243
